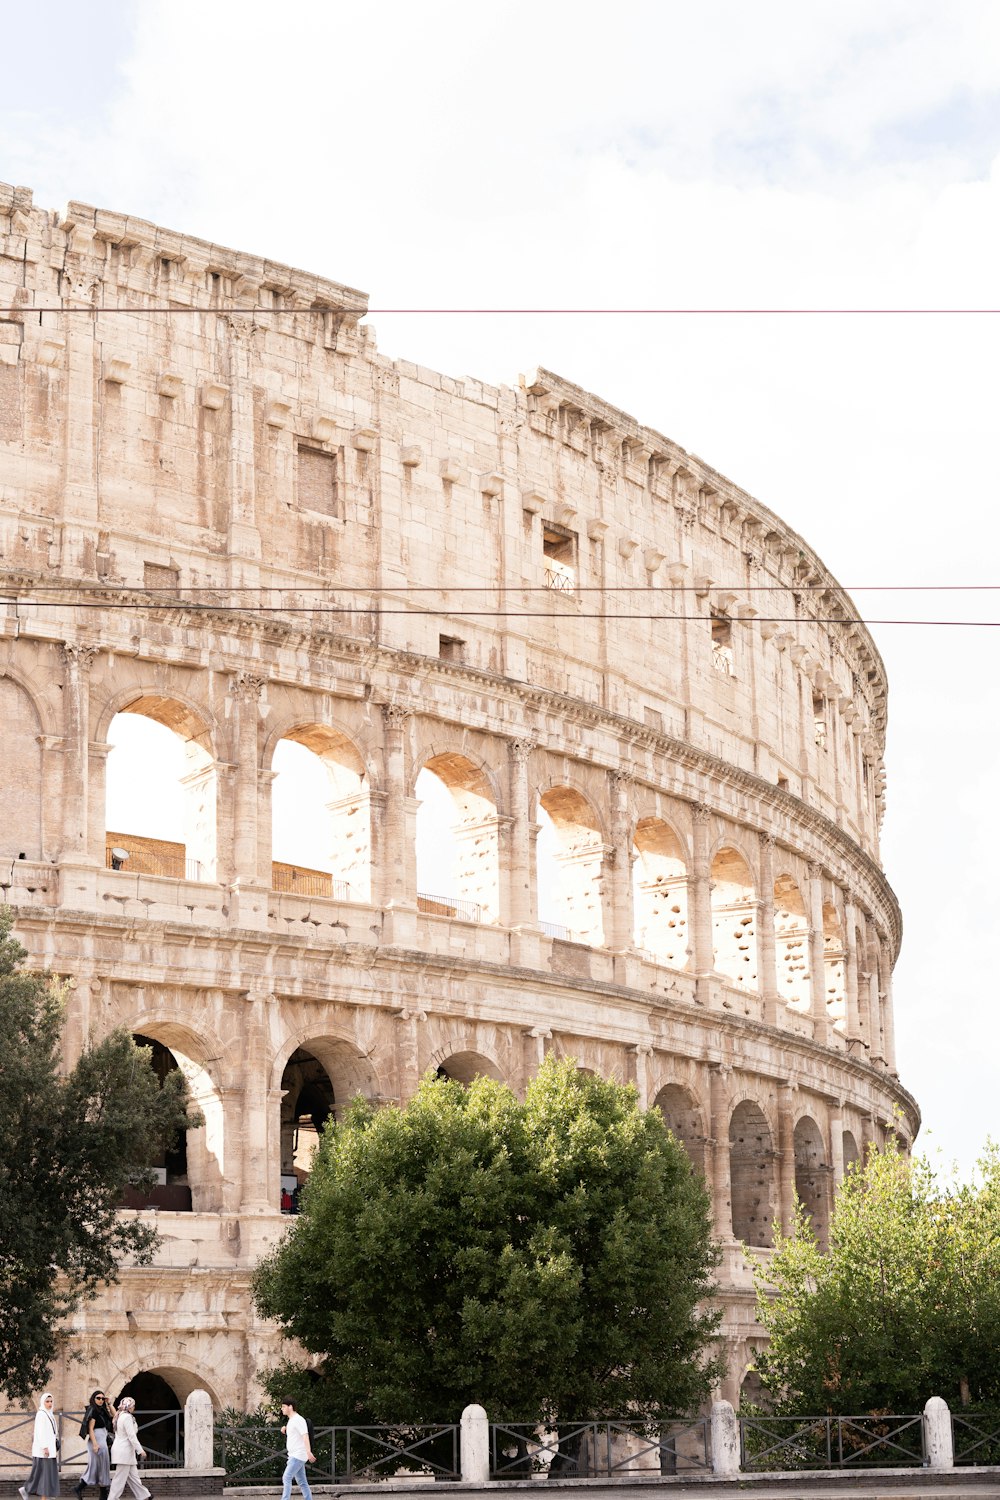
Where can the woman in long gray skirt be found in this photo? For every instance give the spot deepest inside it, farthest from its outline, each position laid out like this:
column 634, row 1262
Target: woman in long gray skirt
column 98, row 1425
column 44, row 1477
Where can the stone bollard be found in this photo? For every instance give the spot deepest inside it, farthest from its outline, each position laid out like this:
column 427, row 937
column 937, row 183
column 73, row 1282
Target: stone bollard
column 725, row 1441
column 475, row 1446
column 939, row 1448
column 199, row 1431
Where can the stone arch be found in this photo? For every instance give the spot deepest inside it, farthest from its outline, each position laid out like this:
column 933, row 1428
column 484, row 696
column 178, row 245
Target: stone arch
column 462, row 769
column 751, row 1170
column 183, row 1376
column 321, row 824
column 569, row 864
column 350, row 1070
column 791, row 944
column 204, row 1153
column 852, row 1154
column 458, row 837
column 834, row 966
column 812, row 1176
column 192, row 851
column 659, row 892
column 683, row 1118
column 753, row 1396
column 734, row 912
column 465, row 1065
column 21, row 796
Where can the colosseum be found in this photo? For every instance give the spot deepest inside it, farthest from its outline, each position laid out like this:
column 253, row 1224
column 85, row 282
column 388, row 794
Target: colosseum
column 494, row 724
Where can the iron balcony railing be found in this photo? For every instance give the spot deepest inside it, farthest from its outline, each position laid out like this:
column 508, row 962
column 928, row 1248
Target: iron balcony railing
column 556, row 930
column 161, row 1434
column 449, row 906
column 782, row 1443
column 581, row 1450
column 256, row 1455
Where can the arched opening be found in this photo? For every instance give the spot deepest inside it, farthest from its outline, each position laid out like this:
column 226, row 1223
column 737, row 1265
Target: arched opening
column 159, row 1414
column 683, row 1119
column 458, row 841
column 734, row 919
column 463, row 1067
column 851, row 1153
column 833, row 967
column 791, row 944
column 160, row 804
column 21, row 784
column 189, row 1175
column 569, row 867
column 659, row 887
column 307, row 1103
column 812, row 1177
column 751, row 1171
column 753, row 1396
column 320, row 816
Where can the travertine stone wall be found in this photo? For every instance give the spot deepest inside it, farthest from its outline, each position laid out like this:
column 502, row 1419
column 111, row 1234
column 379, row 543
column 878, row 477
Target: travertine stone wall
column 221, row 508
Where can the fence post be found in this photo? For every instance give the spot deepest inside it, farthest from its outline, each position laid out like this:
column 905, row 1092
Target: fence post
column 725, row 1441
column 939, row 1447
column 199, row 1431
column 475, row 1445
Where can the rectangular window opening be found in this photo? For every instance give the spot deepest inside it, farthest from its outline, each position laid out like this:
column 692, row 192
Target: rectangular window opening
column 161, row 578
column 451, row 648
column 318, row 481
column 559, row 548
column 722, row 645
column 819, row 720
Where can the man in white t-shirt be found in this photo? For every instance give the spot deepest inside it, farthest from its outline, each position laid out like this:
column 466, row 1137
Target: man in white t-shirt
column 299, row 1452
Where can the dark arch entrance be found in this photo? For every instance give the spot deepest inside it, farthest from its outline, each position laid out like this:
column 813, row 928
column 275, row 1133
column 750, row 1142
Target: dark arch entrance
column 307, row 1104
column 172, row 1190
column 160, row 1416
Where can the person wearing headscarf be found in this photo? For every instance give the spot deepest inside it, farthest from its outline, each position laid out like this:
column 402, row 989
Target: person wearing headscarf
column 126, row 1450
column 97, row 1427
column 44, row 1477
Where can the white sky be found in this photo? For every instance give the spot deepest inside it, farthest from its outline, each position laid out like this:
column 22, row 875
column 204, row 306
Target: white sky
column 569, row 154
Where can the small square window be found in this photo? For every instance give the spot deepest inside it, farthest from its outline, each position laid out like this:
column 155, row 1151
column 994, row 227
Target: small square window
column 317, row 480
column 156, row 576
column 450, row 648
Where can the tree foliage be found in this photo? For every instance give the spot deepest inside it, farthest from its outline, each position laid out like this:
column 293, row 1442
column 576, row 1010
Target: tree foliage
column 545, row 1258
column 905, row 1306
column 69, row 1146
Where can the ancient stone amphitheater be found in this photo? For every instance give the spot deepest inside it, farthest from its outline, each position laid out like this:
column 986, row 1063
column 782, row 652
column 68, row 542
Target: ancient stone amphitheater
column 654, row 719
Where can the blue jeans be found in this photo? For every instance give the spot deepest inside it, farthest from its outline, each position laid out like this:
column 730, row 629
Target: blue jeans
column 295, row 1469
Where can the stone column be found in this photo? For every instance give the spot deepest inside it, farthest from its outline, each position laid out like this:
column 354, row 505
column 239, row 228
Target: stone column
column 837, row 1145
column 786, row 1158
column 619, row 918
column 520, row 871
column 246, row 690
column 258, row 1195
column 767, row 971
column 851, row 969
column 638, row 1071
column 533, row 1053
column 243, row 535
column 817, row 954
column 409, row 1062
column 77, row 661
column 399, row 871
column 700, row 915
column 719, row 1149
column 887, row 1016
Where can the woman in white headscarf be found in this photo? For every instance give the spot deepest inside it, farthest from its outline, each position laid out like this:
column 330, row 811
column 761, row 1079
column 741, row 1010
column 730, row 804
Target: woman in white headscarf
column 126, row 1450
column 44, row 1477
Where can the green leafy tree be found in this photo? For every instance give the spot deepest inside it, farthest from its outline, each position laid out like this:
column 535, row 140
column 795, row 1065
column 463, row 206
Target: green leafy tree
column 69, row 1146
column 545, row 1258
column 905, row 1306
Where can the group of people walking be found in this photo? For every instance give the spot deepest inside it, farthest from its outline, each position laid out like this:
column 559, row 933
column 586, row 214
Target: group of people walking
column 112, row 1437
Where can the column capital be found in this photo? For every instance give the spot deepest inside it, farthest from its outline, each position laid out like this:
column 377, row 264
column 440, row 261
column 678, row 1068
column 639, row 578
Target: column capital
column 79, row 653
column 395, row 715
column 520, row 749
column 700, row 812
column 766, row 840
column 246, row 687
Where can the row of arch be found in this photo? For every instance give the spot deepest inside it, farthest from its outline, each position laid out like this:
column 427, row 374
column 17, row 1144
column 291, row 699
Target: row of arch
column 313, row 1079
column 328, row 836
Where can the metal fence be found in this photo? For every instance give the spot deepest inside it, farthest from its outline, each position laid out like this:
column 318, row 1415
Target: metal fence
column 449, row 906
column 583, row 1450
column 976, row 1437
column 779, row 1443
column 161, row 1434
column 256, row 1455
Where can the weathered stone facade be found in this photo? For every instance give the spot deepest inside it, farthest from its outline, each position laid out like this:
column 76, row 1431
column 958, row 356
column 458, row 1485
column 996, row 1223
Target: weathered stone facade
column 221, row 508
